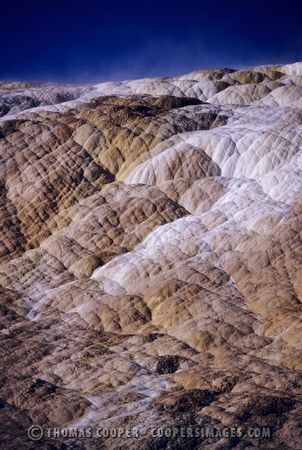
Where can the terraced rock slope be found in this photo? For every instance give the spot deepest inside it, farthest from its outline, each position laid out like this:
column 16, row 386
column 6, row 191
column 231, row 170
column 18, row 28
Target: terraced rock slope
column 150, row 258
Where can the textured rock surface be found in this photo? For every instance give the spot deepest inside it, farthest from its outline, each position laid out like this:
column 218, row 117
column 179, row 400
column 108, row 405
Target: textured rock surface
column 150, row 257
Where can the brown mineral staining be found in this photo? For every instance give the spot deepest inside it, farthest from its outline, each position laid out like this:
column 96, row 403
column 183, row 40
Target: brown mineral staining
column 150, row 258
column 167, row 364
column 190, row 401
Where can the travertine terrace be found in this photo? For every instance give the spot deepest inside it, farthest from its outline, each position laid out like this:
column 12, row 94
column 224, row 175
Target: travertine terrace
column 150, row 258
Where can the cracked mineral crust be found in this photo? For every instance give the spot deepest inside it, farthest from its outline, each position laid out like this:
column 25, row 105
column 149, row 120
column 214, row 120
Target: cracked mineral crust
column 151, row 259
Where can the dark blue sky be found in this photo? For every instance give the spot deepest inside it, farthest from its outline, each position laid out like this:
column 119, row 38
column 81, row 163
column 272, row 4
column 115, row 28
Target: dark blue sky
column 90, row 40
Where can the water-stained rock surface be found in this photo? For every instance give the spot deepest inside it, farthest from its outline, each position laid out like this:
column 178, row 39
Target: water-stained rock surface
column 151, row 259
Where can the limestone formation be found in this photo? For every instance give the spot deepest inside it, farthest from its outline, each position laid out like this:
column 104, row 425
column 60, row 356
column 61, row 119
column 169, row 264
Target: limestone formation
column 151, row 259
